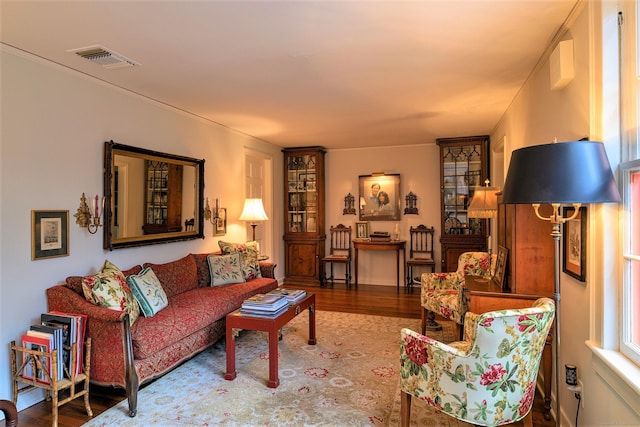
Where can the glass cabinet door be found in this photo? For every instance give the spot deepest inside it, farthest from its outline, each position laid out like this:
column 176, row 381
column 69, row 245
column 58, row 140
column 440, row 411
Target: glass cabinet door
column 462, row 170
column 302, row 193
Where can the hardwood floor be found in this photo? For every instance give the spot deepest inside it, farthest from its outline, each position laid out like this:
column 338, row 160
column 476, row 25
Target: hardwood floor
column 377, row 300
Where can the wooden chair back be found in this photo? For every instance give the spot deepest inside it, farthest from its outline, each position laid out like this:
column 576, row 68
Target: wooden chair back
column 421, row 242
column 340, row 240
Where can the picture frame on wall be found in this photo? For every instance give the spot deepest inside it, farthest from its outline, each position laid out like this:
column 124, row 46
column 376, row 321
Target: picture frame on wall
column 501, row 267
column 220, row 223
column 574, row 248
column 49, row 234
column 379, row 197
column 362, row 230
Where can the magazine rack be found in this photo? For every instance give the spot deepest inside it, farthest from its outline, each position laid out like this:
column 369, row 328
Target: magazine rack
column 36, row 361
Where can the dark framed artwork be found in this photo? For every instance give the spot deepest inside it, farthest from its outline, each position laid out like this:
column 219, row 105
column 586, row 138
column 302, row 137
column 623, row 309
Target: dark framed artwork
column 574, row 236
column 501, row 267
column 220, row 223
column 49, row 234
column 379, row 197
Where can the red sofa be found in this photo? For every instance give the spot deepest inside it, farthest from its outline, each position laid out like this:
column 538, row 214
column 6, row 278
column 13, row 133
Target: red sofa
column 129, row 356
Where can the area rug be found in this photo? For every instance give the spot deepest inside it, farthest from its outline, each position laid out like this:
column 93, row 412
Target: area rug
column 349, row 378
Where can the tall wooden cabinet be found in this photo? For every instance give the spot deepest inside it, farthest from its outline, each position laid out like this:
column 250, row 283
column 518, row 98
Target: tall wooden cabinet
column 163, row 197
column 304, row 236
column 528, row 239
column 464, row 163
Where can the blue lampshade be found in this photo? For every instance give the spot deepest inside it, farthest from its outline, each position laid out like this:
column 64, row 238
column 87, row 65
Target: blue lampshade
column 561, row 172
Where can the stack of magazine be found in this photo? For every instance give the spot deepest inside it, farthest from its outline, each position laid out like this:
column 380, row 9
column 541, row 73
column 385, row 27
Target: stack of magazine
column 265, row 305
column 293, row 296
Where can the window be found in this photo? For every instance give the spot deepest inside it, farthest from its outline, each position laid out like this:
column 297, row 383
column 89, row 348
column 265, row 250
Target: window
column 630, row 339
column 630, row 184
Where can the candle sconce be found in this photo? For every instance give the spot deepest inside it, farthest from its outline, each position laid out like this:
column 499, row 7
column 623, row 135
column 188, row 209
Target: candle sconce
column 411, row 200
column 85, row 218
column 349, row 203
column 211, row 215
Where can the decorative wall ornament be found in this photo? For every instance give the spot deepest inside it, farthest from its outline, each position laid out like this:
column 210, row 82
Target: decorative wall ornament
column 349, row 205
column 411, row 200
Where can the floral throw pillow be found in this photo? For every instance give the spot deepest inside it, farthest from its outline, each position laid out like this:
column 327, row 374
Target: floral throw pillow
column 148, row 292
column 249, row 255
column 226, row 269
column 109, row 289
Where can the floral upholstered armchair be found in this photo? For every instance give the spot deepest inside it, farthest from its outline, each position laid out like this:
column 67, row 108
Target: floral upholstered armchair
column 489, row 378
column 442, row 292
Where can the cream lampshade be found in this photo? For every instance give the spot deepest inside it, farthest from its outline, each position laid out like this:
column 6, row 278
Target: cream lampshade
column 253, row 211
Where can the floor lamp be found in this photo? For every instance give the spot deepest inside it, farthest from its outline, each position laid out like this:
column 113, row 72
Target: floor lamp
column 559, row 173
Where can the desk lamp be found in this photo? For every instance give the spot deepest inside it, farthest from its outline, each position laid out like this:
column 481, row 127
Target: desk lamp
column 559, row 173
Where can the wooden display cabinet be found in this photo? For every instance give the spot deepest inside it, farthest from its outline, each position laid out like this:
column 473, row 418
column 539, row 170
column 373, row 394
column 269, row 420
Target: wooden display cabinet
column 464, row 164
column 163, row 197
column 304, row 235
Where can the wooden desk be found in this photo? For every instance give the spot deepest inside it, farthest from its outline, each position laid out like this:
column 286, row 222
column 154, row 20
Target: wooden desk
column 484, row 296
column 393, row 245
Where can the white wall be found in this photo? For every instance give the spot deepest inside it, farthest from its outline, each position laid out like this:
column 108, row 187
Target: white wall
column 536, row 116
column 419, row 170
column 54, row 124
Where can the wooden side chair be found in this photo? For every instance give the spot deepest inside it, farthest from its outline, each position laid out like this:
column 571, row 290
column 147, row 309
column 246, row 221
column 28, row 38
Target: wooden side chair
column 421, row 253
column 339, row 252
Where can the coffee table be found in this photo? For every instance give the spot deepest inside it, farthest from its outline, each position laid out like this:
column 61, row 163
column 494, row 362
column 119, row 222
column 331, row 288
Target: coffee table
column 237, row 321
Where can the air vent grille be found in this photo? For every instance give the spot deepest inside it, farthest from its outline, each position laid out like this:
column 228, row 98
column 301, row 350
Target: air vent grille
column 105, row 57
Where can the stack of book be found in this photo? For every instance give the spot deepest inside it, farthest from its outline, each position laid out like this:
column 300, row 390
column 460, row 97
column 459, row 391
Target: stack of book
column 380, row 236
column 56, row 331
column 293, row 296
column 265, row 305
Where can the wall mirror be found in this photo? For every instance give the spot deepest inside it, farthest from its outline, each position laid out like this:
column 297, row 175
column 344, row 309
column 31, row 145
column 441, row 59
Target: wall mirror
column 151, row 197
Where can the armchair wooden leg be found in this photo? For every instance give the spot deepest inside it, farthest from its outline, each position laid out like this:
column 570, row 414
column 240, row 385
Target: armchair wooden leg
column 528, row 420
column 430, row 324
column 405, row 409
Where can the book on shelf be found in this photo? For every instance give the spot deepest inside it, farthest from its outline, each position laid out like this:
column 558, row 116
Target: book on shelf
column 56, row 332
column 380, row 236
column 79, row 338
column 31, row 368
column 68, row 335
column 292, row 295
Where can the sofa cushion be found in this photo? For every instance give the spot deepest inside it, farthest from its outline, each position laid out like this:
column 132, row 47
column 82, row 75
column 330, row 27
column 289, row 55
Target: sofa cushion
column 148, row 292
column 249, row 252
column 75, row 282
column 108, row 288
column 225, row 269
column 176, row 276
column 191, row 311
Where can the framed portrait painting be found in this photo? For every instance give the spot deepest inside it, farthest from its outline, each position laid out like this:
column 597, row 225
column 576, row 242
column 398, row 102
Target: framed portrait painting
column 49, row 234
column 379, row 197
column 574, row 236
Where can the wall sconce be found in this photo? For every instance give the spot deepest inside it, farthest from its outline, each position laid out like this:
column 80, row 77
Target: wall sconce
column 411, row 200
column 349, row 202
column 210, row 215
column 87, row 219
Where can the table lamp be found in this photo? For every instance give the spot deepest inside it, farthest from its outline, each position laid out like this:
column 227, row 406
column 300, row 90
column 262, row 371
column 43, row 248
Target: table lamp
column 253, row 211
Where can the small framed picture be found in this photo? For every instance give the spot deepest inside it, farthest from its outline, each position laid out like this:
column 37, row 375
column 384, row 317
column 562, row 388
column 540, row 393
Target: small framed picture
column 501, row 267
column 220, row 223
column 49, row 234
column 362, row 229
column 574, row 250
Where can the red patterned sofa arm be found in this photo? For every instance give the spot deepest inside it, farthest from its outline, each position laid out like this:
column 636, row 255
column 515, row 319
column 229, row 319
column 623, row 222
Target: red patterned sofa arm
column 268, row 269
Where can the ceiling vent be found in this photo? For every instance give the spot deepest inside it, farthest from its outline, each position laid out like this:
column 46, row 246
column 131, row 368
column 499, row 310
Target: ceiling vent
column 105, row 57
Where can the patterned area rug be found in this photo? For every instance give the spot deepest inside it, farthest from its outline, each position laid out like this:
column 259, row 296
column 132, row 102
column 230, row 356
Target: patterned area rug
column 349, row 378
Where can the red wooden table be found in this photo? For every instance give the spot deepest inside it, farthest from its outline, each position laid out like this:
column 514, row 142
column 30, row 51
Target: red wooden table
column 237, row 320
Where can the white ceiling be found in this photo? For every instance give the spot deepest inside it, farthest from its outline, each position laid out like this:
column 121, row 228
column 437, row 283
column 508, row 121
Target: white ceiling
column 296, row 73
